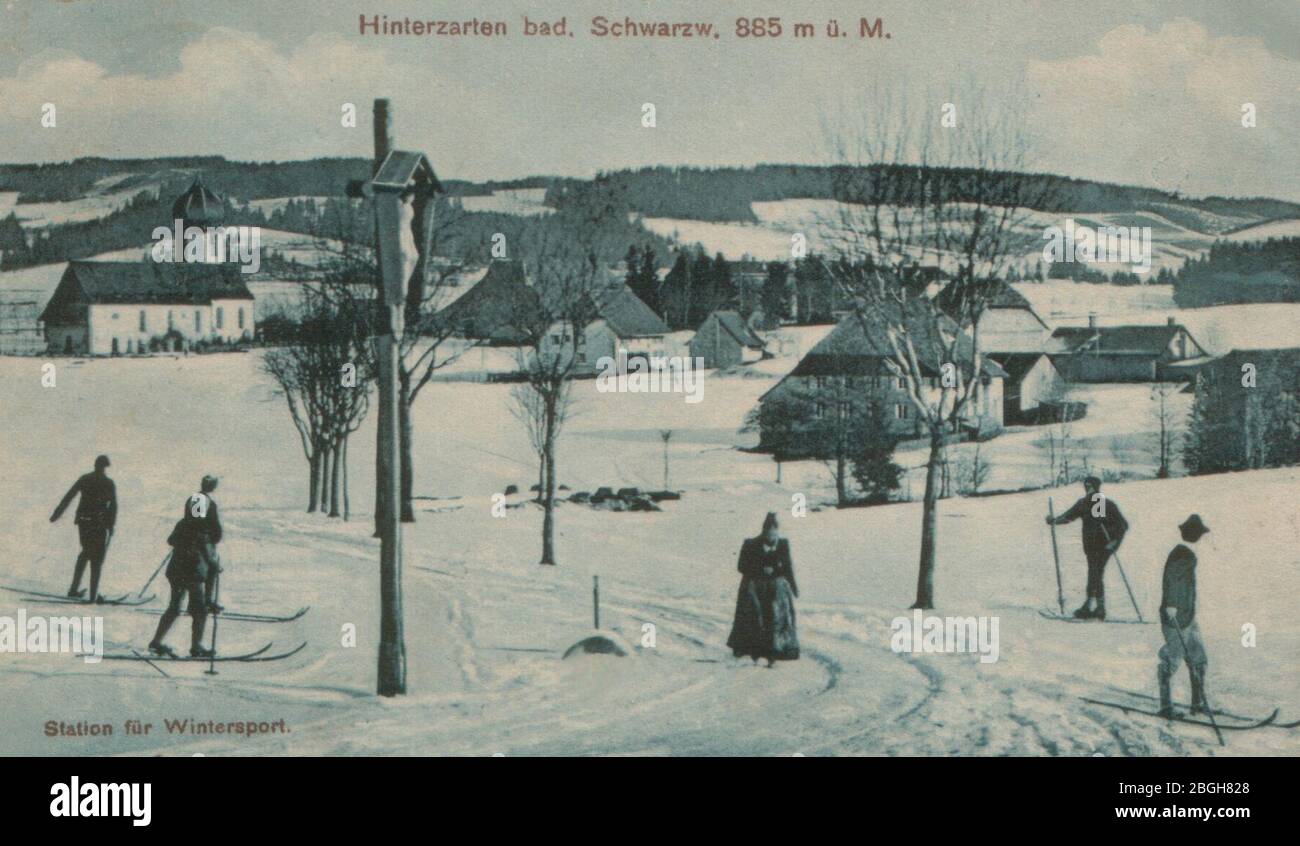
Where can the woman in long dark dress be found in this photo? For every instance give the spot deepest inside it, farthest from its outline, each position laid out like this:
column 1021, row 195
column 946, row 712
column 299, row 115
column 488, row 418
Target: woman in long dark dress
column 764, row 626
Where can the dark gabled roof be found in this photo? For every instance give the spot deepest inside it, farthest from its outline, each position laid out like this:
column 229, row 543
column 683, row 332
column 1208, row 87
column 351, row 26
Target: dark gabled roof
column 734, row 325
column 1016, row 365
column 999, row 294
column 400, row 167
column 501, row 306
column 860, row 342
column 627, row 315
column 143, row 283
column 1119, row 340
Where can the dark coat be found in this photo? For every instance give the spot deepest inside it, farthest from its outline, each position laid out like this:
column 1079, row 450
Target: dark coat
column 98, row 504
column 193, row 540
column 764, row 624
column 1178, row 585
column 1097, row 531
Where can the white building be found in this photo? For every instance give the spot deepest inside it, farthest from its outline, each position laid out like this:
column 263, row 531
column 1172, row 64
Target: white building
column 621, row 322
column 122, row 308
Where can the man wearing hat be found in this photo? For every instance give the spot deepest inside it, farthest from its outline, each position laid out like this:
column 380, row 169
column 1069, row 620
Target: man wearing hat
column 1103, row 530
column 95, row 518
column 1178, row 619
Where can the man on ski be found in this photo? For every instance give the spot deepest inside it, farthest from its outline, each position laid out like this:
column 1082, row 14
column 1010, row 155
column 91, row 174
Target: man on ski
column 96, row 518
column 1178, row 619
column 1103, row 530
column 192, row 571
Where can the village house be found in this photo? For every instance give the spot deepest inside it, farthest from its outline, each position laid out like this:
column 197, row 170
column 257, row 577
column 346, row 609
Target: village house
column 724, row 340
column 853, row 359
column 121, row 308
column 497, row 310
column 1156, row 353
column 1011, row 333
column 621, row 322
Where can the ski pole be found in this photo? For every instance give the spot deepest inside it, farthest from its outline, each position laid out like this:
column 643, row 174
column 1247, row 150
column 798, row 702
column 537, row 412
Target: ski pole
column 166, row 558
column 1115, row 554
column 1209, row 712
column 216, row 616
column 1056, row 556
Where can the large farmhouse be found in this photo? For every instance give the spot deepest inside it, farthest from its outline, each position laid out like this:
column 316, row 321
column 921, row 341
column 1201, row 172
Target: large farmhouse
column 1125, row 353
column 853, row 360
column 117, row 308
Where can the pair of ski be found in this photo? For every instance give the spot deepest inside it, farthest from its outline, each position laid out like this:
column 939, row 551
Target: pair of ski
column 1243, row 723
column 243, row 617
column 255, row 656
column 63, row 599
column 127, row 601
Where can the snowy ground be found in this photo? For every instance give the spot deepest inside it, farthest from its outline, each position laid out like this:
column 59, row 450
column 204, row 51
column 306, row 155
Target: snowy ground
column 485, row 625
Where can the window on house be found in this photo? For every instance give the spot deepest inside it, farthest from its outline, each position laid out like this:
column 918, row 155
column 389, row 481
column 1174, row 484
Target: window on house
column 901, row 411
column 555, row 339
column 198, row 321
column 169, row 320
column 241, row 317
column 142, row 323
column 901, row 383
column 819, row 410
column 845, row 409
column 221, row 317
column 819, row 382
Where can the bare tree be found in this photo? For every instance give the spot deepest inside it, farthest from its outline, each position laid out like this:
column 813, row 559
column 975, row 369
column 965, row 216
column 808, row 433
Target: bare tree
column 566, row 277
column 325, row 372
column 923, row 207
column 1166, row 418
column 344, row 232
column 529, row 407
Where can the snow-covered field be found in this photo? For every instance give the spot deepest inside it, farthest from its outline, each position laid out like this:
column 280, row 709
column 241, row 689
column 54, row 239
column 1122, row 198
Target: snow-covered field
column 485, row 626
column 770, row 238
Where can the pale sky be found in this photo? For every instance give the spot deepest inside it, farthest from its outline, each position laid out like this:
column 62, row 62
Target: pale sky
column 1137, row 92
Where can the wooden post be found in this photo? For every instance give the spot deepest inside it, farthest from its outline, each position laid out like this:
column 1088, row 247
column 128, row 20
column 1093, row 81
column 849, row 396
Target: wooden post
column 595, row 598
column 1056, row 556
column 388, row 218
column 383, row 145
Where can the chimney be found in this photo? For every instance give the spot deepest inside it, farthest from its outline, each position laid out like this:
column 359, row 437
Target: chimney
column 1170, row 321
column 1092, row 320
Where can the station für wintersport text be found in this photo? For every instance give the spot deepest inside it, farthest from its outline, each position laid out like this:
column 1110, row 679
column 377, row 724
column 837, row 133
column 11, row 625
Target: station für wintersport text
column 188, row 726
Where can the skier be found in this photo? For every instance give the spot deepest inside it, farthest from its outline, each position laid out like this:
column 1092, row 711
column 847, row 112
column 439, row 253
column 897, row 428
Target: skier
column 192, row 571
column 1103, row 530
column 1178, row 619
column 764, row 625
column 210, row 535
column 96, row 518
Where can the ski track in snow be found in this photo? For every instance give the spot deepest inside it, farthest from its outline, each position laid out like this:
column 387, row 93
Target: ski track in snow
column 485, row 626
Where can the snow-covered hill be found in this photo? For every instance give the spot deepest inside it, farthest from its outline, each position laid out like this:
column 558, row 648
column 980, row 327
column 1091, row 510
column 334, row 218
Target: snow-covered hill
column 485, row 625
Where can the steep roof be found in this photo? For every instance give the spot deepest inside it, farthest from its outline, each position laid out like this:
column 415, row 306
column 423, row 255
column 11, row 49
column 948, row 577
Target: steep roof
column 734, row 325
column 1119, row 340
column 628, row 315
column 859, row 342
column 496, row 306
column 1016, row 365
column 143, row 283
